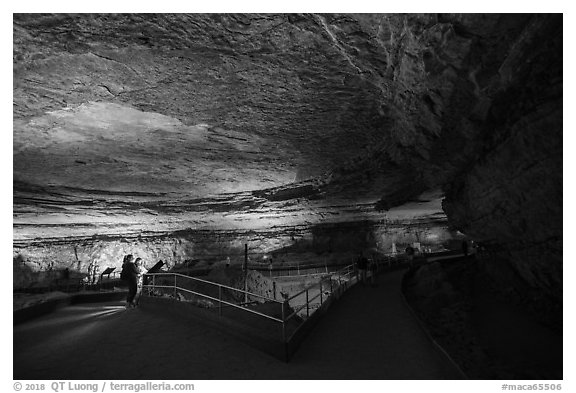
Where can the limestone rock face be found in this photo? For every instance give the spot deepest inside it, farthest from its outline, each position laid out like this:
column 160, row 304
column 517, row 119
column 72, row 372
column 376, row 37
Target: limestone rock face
column 250, row 101
column 327, row 243
column 512, row 195
column 140, row 124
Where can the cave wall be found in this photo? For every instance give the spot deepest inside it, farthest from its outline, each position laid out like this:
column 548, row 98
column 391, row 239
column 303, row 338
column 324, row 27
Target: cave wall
column 329, row 243
column 510, row 197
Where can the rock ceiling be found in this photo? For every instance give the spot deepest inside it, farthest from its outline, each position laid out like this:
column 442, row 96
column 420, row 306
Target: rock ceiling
column 129, row 122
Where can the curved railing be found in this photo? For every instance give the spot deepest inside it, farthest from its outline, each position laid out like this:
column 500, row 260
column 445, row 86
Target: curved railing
column 174, row 287
column 310, row 298
column 303, row 304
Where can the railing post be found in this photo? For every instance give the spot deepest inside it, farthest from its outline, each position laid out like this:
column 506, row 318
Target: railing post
column 307, row 305
column 245, row 270
column 331, row 290
column 175, row 287
column 283, row 322
column 220, row 300
column 320, row 292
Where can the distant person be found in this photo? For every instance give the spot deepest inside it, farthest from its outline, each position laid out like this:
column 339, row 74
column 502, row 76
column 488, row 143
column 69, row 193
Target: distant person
column 473, row 247
column 479, row 248
column 66, row 278
column 91, row 272
column 95, row 273
column 65, row 275
column 465, row 248
column 139, row 281
column 122, row 268
column 130, row 276
column 362, row 264
column 373, row 266
column 410, row 254
column 123, row 272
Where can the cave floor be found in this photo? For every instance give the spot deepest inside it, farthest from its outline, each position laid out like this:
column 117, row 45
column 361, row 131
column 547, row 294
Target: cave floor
column 368, row 334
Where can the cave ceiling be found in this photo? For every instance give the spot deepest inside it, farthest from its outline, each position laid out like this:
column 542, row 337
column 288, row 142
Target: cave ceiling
column 137, row 121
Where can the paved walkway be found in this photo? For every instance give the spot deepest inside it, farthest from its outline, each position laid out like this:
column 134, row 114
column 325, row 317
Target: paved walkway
column 368, row 334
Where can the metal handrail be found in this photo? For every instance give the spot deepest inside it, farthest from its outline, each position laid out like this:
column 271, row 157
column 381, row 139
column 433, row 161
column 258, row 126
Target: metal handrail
column 218, row 300
column 343, row 276
column 215, row 284
column 318, row 283
column 304, row 290
column 307, row 305
column 291, row 267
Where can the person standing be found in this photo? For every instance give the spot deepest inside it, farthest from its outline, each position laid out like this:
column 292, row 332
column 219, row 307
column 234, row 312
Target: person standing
column 91, row 273
column 95, row 273
column 373, row 268
column 123, row 272
column 140, row 281
column 362, row 264
column 465, row 248
column 66, row 278
column 410, row 253
column 130, row 275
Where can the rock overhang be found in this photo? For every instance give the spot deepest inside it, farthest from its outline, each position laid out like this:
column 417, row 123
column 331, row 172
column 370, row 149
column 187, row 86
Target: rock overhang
column 370, row 110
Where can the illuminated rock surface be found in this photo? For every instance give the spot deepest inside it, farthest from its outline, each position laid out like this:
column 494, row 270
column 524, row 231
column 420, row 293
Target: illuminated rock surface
column 158, row 132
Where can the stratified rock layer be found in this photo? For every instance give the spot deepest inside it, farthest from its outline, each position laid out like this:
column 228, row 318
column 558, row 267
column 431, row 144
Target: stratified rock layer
column 153, row 124
column 330, row 244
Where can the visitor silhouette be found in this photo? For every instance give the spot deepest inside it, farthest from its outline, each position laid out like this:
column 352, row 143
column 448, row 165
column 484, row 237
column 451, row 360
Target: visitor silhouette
column 130, row 275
